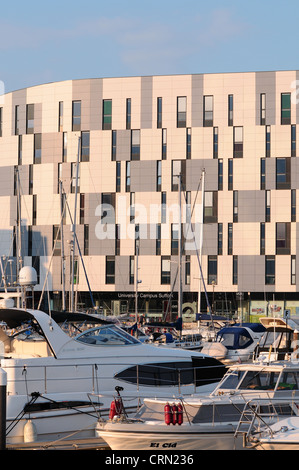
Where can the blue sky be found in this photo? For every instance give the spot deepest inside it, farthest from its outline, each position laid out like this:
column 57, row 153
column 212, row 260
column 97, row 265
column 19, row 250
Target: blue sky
column 43, row 42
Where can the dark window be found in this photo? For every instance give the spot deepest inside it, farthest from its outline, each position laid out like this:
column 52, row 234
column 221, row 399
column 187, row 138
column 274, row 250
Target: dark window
column 110, row 270
column 159, row 175
column 30, row 119
column 270, row 270
column 60, row 116
column 86, row 240
column 178, row 167
column 230, row 174
column 268, row 141
column 181, row 111
column 159, row 113
column 286, row 108
column 283, row 238
column 118, row 177
column 135, row 144
column 76, row 116
column 220, row 239
column 263, row 173
column 188, row 143
column 107, row 115
column 220, row 175
column 283, row 173
column 230, row 239
column 262, row 109
column 293, row 205
column 56, row 240
column 262, row 238
column 293, row 141
column 165, row 270
column 230, row 109
column 128, row 113
column 211, row 207
column 85, row 146
column 238, row 142
column 235, row 270
column 37, row 148
column 215, row 142
column 113, row 145
column 212, row 270
column 208, row 111
column 164, row 144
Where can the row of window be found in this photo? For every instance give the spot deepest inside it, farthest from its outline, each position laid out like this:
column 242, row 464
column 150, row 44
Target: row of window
column 212, row 270
column 208, row 113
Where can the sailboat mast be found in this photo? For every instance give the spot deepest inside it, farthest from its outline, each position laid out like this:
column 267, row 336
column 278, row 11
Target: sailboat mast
column 74, row 229
column 201, row 235
column 180, row 251
column 62, row 209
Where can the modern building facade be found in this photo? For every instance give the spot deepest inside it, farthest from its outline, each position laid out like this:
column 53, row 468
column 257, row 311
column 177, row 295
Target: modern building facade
column 231, row 138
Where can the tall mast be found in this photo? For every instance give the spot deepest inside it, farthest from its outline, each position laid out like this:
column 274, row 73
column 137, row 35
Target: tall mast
column 180, row 251
column 201, row 235
column 74, row 230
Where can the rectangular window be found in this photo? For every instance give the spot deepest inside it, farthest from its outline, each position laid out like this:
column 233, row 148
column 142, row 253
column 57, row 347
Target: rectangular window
column 118, row 177
column 230, row 110
column 165, row 270
column 60, row 116
column 285, row 108
column 263, row 173
column 85, row 146
column 128, row 177
column 86, row 240
column 268, row 141
column 178, row 169
column 235, row 206
column 113, row 145
column 210, row 207
column 29, row 228
column 174, row 239
column 110, row 269
column 36, row 266
column 230, row 239
column 108, row 206
column 235, row 270
column 107, row 115
column 187, row 270
column 74, row 177
column 30, row 179
column 230, row 174
column 82, row 208
column 128, row 113
column 188, row 143
column 159, row 175
column 238, row 142
column 164, row 144
column 181, row 111
column 293, row 141
column 158, row 239
column 56, row 240
column 163, row 208
column 283, row 173
column 30, row 119
column 293, row 205
column 212, row 270
column 293, row 270
column 215, row 142
column 132, row 269
column 20, row 149
column 159, row 113
column 262, row 109
column 76, row 116
column 270, row 270
column 208, row 111
column 135, row 144
column 1, row 122
column 262, row 238
column 15, row 181
column 268, row 205
column 283, row 235
column 117, row 239
column 37, row 157
column 34, row 209
column 17, row 120
column 132, row 208
column 220, row 239
column 64, row 146
column 220, row 175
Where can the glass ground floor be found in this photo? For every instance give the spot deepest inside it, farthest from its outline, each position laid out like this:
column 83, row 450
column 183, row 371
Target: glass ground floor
column 164, row 305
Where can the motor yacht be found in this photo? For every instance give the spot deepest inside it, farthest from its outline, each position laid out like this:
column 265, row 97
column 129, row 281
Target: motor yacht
column 56, row 363
column 208, row 422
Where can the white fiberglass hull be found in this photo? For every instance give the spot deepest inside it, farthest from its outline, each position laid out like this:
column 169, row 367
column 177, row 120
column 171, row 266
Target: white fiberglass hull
column 162, row 437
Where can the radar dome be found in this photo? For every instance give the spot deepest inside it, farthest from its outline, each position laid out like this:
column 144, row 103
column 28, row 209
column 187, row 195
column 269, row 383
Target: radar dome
column 27, row 276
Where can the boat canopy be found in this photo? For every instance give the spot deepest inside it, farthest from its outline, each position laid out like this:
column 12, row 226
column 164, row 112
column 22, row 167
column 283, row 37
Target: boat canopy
column 235, row 337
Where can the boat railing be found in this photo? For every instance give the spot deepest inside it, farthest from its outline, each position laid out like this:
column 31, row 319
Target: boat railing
column 43, row 378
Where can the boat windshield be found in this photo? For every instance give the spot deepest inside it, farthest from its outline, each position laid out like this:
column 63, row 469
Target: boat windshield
column 231, row 380
column 109, row 335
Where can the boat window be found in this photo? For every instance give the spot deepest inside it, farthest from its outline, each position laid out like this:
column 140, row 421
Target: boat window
column 269, row 339
column 231, row 380
column 107, row 335
column 234, row 340
column 259, row 380
column 289, row 381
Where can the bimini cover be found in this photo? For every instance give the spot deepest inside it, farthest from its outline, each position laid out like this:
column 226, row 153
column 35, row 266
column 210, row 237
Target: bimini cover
column 257, row 327
column 234, row 337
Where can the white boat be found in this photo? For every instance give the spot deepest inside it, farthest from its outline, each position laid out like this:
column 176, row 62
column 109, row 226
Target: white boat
column 235, row 343
column 283, row 435
column 208, row 421
column 54, row 371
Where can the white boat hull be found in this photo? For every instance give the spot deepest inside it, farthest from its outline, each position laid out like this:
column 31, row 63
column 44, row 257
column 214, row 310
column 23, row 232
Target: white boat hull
column 123, row 437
